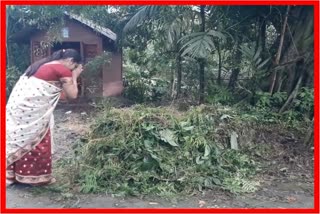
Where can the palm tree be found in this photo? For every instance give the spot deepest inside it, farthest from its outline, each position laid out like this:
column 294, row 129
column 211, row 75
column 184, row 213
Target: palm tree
column 181, row 38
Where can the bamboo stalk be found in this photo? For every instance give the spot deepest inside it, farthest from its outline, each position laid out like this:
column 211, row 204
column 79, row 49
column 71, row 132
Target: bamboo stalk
column 292, row 95
column 277, row 60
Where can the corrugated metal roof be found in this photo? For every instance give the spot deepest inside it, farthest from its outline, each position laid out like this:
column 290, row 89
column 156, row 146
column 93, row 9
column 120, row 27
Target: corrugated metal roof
column 104, row 31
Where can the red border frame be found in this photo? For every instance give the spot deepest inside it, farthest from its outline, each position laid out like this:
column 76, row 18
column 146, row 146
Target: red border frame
column 162, row 210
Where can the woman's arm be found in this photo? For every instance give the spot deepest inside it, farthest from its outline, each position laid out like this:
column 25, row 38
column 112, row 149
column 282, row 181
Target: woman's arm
column 69, row 84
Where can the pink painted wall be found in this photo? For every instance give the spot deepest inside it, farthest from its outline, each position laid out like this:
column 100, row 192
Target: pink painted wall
column 112, row 73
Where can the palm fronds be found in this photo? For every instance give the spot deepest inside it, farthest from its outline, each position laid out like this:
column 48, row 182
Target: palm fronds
column 200, row 44
column 146, row 12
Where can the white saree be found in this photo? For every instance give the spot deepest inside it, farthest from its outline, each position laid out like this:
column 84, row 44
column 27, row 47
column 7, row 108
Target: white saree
column 29, row 115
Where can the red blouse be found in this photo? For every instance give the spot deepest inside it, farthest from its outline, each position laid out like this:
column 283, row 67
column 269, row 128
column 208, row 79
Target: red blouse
column 52, row 72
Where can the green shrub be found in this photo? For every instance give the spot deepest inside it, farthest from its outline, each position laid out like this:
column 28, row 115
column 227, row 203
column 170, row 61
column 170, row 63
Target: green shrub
column 219, row 94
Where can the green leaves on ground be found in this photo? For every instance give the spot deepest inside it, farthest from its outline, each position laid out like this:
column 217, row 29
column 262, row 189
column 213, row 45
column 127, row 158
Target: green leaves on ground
column 161, row 151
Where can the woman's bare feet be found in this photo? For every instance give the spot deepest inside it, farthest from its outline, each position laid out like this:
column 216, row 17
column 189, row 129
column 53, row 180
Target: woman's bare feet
column 9, row 182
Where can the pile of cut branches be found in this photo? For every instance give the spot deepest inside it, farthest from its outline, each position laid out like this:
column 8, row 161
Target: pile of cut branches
column 161, row 151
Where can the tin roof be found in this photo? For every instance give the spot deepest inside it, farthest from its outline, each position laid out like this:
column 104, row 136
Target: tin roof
column 104, row 31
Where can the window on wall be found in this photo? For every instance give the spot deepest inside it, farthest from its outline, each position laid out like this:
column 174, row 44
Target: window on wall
column 39, row 50
column 65, row 32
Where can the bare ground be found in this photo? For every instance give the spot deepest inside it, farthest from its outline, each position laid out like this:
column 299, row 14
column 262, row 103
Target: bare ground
column 287, row 183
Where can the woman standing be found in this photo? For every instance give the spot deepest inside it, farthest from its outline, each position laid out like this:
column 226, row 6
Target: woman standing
column 29, row 116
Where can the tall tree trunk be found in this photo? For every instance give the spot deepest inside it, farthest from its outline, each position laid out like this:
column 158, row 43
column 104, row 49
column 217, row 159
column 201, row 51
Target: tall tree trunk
column 293, row 76
column 179, row 75
column 220, row 63
column 257, row 33
column 235, row 71
column 201, row 81
column 281, row 79
column 263, row 30
column 233, row 78
column 172, row 85
column 277, row 60
column 263, row 35
column 202, row 61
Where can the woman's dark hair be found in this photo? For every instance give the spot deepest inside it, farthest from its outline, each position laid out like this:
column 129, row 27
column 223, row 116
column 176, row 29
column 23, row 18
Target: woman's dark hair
column 60, row 54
